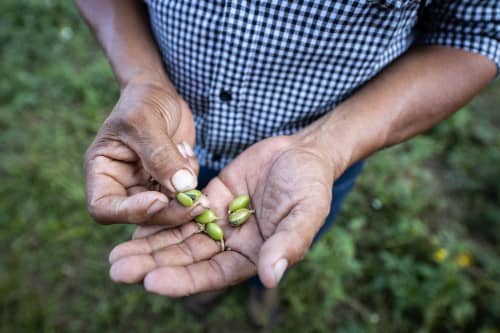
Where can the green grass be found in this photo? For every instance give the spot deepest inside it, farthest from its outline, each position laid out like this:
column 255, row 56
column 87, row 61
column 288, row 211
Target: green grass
column 374, row 272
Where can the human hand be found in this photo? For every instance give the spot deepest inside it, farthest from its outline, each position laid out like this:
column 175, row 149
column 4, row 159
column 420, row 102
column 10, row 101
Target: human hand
column 148, row 135
column 290, row 183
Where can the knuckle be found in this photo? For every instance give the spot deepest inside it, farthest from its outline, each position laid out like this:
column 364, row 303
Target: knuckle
column 95, row 211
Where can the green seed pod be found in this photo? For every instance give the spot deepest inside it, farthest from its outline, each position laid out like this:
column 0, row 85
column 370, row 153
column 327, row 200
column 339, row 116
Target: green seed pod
column 188, row 198
column 207, row 216
column 240, row 216
column 239, row 202
column 214, row 231
column 195, row 195
column 184, row 199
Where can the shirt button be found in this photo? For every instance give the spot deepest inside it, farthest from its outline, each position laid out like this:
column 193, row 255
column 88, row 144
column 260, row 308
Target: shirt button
column 225, row 96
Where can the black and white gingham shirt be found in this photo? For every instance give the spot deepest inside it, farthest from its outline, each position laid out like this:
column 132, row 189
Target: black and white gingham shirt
column 250, row 69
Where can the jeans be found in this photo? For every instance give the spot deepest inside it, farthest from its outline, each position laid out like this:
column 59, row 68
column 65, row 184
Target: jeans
column 342, row 186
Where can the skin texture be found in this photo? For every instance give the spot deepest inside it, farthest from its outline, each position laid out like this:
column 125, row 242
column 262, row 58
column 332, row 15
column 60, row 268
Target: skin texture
column 411, row 95
column 291, row 185
column 285, row 194
column 149, row 133
column 291, row 189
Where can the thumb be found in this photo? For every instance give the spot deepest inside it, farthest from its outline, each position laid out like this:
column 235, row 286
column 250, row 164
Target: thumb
column 165, row 161
column 288, row 245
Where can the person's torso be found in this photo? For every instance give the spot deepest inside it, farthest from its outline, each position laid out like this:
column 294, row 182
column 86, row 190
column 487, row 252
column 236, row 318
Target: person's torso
column 254, row 69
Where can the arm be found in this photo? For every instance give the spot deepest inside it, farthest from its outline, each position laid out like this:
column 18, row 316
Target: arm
column 425, row 85
column 122, row 29
column 291, row 187
column 410, row 96
column 149, row 133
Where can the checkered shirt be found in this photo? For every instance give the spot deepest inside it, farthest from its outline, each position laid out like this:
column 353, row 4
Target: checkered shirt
column 251, row 69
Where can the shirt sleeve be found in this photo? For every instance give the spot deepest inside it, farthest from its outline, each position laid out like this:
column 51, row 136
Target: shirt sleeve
column 471, row 25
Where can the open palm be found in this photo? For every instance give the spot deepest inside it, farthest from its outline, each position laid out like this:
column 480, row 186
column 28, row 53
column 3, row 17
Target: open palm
column 290, row 186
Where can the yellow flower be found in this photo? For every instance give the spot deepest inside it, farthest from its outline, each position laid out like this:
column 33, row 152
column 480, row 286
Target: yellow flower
column 464, row 260
column 440, row 254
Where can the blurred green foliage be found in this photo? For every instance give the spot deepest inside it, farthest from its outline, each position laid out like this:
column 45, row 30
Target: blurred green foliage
column 415, row 250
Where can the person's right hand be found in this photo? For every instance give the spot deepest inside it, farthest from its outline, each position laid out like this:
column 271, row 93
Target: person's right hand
column 148, row 135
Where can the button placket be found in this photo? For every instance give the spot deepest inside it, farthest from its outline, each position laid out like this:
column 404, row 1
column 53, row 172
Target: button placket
column 234, row 52
column 225, row 96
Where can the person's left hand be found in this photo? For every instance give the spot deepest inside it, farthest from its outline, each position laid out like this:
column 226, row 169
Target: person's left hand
column 290, row 183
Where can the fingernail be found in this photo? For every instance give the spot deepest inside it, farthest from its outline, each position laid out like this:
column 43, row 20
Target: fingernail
column 183, row 180
column 156, row 206
column 279, row 269
column 181, row 149
column 187, row 148
column 114, row 273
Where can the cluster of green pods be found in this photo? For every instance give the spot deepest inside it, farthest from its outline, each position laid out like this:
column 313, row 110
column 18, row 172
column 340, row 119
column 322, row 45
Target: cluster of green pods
column 207, row 219
column 188, row 198
column 238, row 212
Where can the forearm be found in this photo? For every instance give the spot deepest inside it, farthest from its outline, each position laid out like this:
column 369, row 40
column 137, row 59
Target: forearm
column 411, row 95
column 122, row 29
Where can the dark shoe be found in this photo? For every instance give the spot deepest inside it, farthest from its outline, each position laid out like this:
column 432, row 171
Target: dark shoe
column 263, row 307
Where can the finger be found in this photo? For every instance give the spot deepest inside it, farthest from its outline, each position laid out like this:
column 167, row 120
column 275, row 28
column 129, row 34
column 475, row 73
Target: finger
column 143, row 231
column 153, row 242
column 107, row 197
column 187, row 152
column 191, row 157
column 132, row 269
column 174, row 213
column 195, row 248
column 134, row 209
column 288, row 245
column 185, row 130
column 162, row 159
column 136, row 189
column 225, row 269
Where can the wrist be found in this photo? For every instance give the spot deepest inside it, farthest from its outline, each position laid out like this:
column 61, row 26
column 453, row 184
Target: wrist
column 335, row 152
column 340, row 137
column 148, row 77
